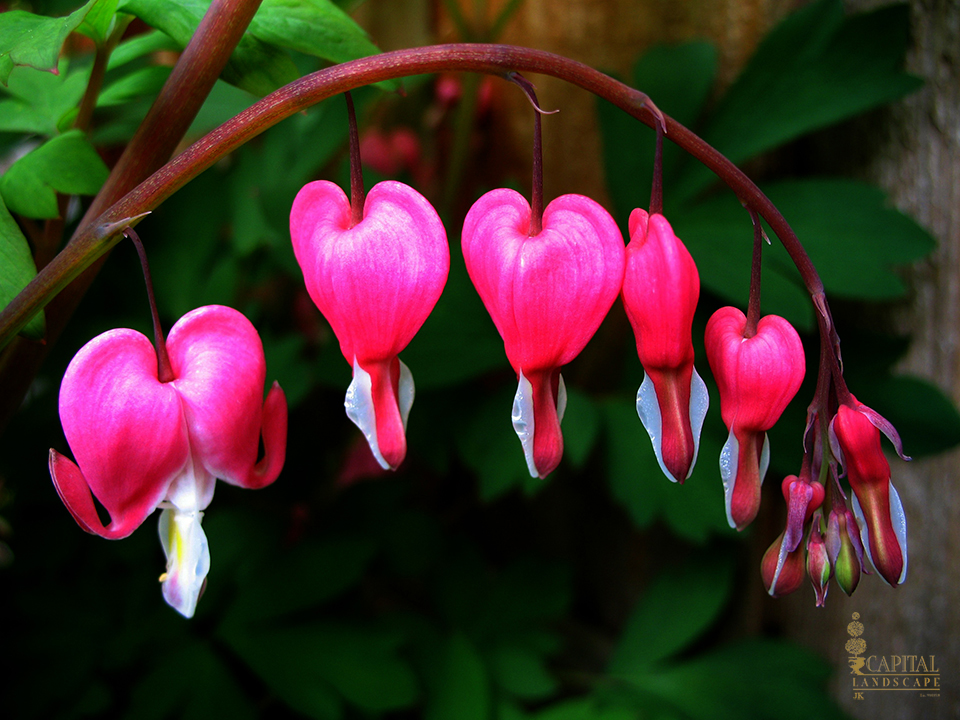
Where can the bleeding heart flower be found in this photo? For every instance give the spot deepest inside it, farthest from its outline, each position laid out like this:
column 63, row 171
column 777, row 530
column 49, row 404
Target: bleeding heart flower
column 757, row 377
column 660, row 291
column 547, row 294
column 855, row 438
column 376, row 282
column 142, row 444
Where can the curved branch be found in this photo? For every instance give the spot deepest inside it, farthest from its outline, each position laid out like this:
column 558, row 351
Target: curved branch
column 101, row 235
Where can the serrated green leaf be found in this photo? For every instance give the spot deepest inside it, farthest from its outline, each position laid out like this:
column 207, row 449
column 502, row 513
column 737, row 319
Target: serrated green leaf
column 853, row 236
column 16, row 269
column 676, row 609
column 35, row 40
column 67, row 164
column 313, row 27
column 814, row 70
column 254, row 66
column 98, row 22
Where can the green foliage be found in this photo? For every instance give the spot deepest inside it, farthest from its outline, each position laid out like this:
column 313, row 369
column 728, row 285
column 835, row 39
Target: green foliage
column 34, row 40
column 16, row 267
column 259, row 64
column 66, row 164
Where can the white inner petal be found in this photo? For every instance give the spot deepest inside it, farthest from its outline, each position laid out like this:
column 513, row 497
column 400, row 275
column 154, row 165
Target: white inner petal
column 523, row 421
column 729, row 457
column 359, row 407
column 899, row 520
column 406, row 392
column 699, row 403
column 648, row 408
column 188, row 559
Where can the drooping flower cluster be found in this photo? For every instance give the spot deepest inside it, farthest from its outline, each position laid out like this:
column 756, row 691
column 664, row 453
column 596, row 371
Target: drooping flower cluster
column 375, row 265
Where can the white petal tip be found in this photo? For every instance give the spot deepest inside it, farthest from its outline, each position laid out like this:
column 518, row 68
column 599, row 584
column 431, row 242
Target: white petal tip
column 188, row 559
column 359, row 406
column 522, row 417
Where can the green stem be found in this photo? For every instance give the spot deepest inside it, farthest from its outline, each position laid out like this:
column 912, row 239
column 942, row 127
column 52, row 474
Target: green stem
column 97, row 237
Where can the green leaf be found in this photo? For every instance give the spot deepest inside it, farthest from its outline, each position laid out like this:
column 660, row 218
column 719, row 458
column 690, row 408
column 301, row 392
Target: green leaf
column 66, row 164
column 311, row 667
column 313, row 27
column 254, row 66
column 586, row 708
column 35, row 40
column 521, row 672
column 40, row 101
column 191, row 683
column 457, row 682
column 139, row 46
column 99, row 20
column 16, row 269
column 144, row 82
column 677, row 608
column 853, row 236
column 750, row 679
column 815, row 69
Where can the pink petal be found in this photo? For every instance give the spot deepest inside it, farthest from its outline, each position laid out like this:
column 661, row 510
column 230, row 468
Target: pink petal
column 661, row 287
column 547, row 294
column 125, row 429
column 375, row 282
column 218, row 362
